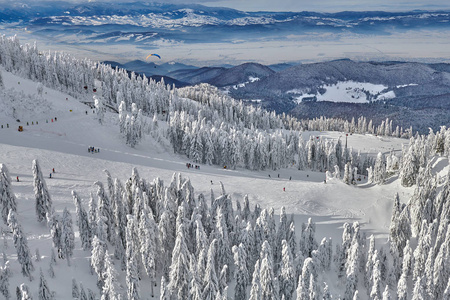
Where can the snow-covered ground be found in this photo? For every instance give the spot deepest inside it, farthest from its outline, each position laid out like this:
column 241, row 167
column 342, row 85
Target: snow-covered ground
column 348, row 91
column 65, row 130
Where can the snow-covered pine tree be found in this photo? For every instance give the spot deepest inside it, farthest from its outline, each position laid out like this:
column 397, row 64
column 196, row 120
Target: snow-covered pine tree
column 104, row 209
column 167, row 230
column 110, row 289
column 83, row 223
column 304, row 290
column 241, row 273
column 268, row 281
column 132, row 274
column 220, row 233
column 347, row 173
column 98, row 259
column 43, row 199
column 419, row 291
column 379, row 170
column 409, row 168
column 387, row 294
column 255, row 290
column 83, row 295
column 24, row 292
column 375, row 291
column 44, row 290
column 308, row 241
column 421, row 251
column 222, row 280
column 402, row 288
column 75, row 289
column 441, row 272
column 280, row 236
column 4, row 281
column 67, row 235
column 7, row 197
column 210, row 281
column 326, row 295
column 99, row 108
column 287, row 272
column 21, row 245
column 149, row 244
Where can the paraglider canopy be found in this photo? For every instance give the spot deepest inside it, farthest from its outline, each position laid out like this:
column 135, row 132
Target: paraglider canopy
column 153, row 54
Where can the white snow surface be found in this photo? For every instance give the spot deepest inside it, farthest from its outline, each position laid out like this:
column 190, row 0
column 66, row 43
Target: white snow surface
column 348, row 91
column 63, row 143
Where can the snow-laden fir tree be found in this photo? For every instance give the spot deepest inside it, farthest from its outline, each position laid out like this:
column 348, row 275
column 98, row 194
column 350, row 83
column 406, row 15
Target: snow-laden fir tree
column 195, row 286
column 304, row 288
column 222, row 280
column 149, row 245
column 347, row 173
column 24, row 292
column 104, row 209
column 220, row 233
column 441, row 273
column 92, row 215
column 308, row 241
column 99, row 109
column 268, row 281
column 326, row 295
column 287, row 278
column 419, row 291
column 4, row 281
column 44, row 290
column 91, row 295
column 7, row 197
column 241, row 273
column 54, row 223
column 210, row 280
column 167, row 230
column 447, row 291
column 132, row 274
column 21, row 245
column 83, row 295
column 83, row 223
column 281, row 235
column 98, row 259
column 67, row 235
column 379, row 170
column 402, row 288
column 375, row 291
column 75, row 289
column 409, row 168
column 110, row 290
column 255, row 290
column 387, row 294
column 421, row 251
column 43, row 199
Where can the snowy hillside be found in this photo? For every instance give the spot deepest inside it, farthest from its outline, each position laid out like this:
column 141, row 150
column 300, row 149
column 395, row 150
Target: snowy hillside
column 201, row 213
column 63, row 145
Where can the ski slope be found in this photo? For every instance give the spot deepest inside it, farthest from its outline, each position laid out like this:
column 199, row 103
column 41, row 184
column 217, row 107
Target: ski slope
column 63, row 144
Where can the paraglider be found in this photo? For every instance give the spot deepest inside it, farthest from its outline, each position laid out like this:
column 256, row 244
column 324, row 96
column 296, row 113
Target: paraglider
column 153, row 54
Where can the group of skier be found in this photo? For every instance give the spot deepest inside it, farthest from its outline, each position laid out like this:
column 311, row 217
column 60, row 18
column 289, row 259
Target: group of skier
column 93, row 150
column 189, row 165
